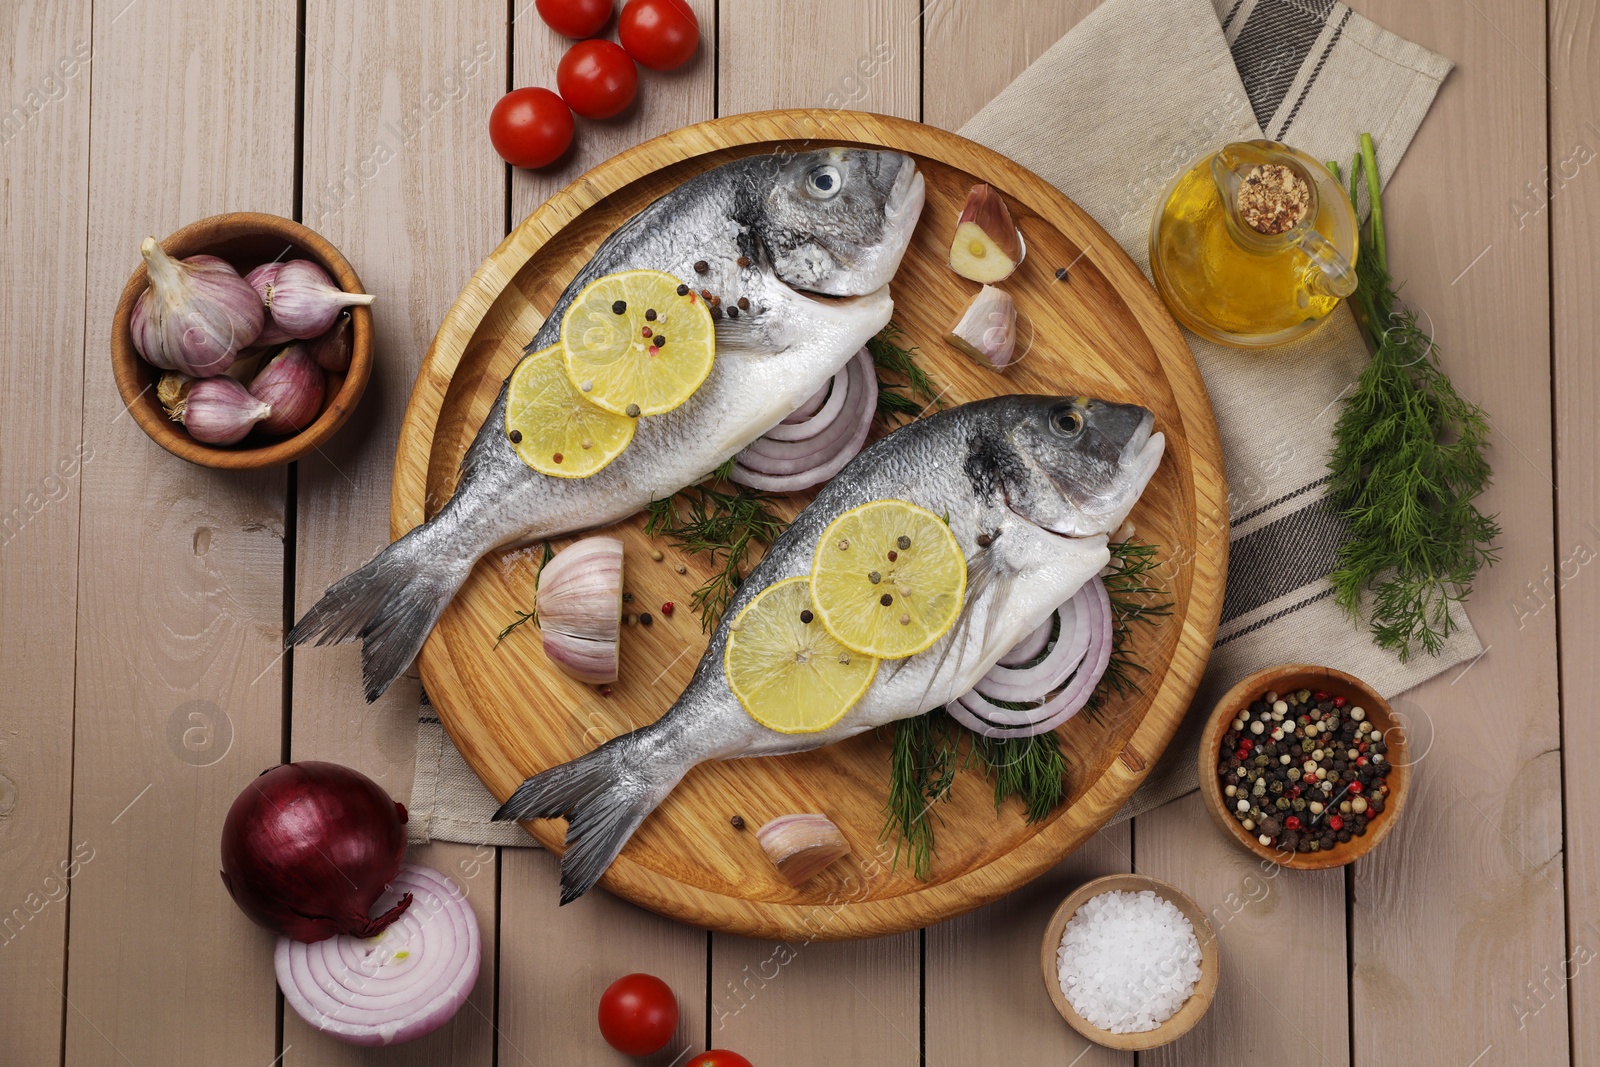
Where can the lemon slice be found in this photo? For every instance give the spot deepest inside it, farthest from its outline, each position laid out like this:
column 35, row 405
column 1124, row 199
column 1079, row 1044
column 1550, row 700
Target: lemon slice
column 553, row 428
column 635, row 345
column 888, row 578
column 786, row 669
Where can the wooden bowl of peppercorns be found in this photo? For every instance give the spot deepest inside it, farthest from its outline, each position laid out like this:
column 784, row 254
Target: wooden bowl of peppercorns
column 1277, row 771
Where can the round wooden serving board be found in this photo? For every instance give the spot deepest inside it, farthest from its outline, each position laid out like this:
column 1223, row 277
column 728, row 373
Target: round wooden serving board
column 1103, row 332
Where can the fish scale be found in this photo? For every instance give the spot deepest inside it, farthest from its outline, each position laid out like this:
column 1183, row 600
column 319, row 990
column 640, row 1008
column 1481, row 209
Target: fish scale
column 1045, row 479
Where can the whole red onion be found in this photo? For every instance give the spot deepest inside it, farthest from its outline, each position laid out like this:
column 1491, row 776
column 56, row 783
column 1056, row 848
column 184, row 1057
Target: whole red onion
column 308, row 848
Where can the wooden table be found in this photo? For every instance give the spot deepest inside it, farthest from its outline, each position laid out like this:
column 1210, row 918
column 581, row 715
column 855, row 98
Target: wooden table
column 143, row 600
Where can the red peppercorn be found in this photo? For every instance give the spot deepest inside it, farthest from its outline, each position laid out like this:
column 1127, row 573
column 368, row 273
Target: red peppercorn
column 1335, row 822
column 1292, row 823
column 1339, row 702
column 1355, row 787
column 1241, row 753
column 666, row 608
column 1361, row 761
column 1247, row 743
column 1319, row 696
column 1294, row 792
column 605, row 690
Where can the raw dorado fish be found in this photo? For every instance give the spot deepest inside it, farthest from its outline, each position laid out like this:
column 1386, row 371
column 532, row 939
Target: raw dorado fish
column 1047, row 478
column 833, row 222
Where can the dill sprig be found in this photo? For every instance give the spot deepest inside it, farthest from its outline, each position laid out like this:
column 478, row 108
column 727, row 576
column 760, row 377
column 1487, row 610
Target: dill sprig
column 890, row 353
column 725, row 527
column 525, row 616
column 929, row 749
column 1407, row 465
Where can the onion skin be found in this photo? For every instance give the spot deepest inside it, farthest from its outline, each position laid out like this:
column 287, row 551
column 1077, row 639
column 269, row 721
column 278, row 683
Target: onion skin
column 304, row 302
column 292, row 385
column 196, row 314
column 308, row 848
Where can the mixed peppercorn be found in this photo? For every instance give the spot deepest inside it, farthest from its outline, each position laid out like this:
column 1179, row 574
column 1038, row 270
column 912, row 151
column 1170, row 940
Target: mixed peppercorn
column 1304, row 771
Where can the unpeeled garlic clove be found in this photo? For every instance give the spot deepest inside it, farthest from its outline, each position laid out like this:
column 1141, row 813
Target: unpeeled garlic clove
column 987, row 246
column 331, row 350
column 580, row 608
column 801, row 846
column 196, row 314
column 291, row 384
column 987, row 331
column 219, row 411
column 303, row 301
column 261, row 280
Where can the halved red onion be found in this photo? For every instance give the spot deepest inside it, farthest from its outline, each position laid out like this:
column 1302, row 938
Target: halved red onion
column 810, row 407
column 768, row 456
column 1051, row 672
column 981, row 715
column 822, row 418
column 1029, row 647
column 408, row 981
column 793, row 475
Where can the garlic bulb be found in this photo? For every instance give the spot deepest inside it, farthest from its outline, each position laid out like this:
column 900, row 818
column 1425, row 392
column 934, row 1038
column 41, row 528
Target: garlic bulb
column 988, row 331
column 332, row 349
column 303, row 301
column 261, row 280
column 196, row 314
column 580, row 608
column 801, row 846
column 291, row 384
column 219, row 411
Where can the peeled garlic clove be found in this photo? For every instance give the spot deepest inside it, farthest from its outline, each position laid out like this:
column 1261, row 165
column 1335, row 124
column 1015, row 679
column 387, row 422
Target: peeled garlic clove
column 219, row 411
column 580, row 608
column 801, row 846
column 303, row 301
column 291, row 384
column 196, row 314
column 987, row 331
column 332, row 349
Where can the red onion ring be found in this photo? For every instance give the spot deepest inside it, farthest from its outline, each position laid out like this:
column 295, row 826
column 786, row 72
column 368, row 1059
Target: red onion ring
column 1029, row 647
column 978, row 714
column 827, row 468
column 809, row 408
column 1052, row 672
column 392, row 988
column 766, row 456
column 801, row 431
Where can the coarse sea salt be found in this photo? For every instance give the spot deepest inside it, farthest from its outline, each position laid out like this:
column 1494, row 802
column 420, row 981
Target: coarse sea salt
column 1128, row 961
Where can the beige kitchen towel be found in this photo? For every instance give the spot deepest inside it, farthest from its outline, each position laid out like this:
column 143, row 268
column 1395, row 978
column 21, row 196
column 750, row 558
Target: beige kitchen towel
column 1136, row 92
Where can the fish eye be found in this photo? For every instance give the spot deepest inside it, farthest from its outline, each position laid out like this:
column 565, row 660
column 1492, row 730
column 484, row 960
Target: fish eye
column 823, row 182
column 1066, row 421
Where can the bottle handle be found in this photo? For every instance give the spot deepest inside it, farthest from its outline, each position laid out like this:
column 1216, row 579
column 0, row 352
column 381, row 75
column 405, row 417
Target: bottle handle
column 1331, row 275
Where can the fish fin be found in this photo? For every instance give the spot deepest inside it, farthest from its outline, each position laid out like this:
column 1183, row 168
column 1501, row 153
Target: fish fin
column 391, row 604
column 741, row 333
column 604, row 796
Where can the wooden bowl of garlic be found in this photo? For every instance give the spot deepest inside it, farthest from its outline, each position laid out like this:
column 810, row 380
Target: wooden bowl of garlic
column 244, row 340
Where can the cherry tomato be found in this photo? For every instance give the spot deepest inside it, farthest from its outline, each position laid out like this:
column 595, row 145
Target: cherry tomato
column 530, row 127
column 575, row 18
column 718, row 1058
column 597, row 79
column 661, row 34
column 638, row 1014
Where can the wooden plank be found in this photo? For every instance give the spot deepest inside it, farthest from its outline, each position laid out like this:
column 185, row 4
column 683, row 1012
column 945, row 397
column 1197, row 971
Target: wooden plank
column 1279, row 930
column 1573, row 213
column 972, row 49
column 1462, row 907
column 557, row 961
column 44, row 211
column 394, row 106
column 862, row 55
column 988, row 958
column 180, row 589
column 854, row 1002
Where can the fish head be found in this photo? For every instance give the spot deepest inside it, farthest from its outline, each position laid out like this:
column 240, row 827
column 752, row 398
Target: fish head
column 1074, row 466
column 836, row 221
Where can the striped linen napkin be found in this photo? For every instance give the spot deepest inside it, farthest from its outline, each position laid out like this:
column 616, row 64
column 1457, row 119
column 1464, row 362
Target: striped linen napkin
column 1109, row 115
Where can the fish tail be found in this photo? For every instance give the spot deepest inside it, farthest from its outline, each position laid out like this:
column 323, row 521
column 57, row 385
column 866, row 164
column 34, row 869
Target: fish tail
column 391, row 604
column 604, row 797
